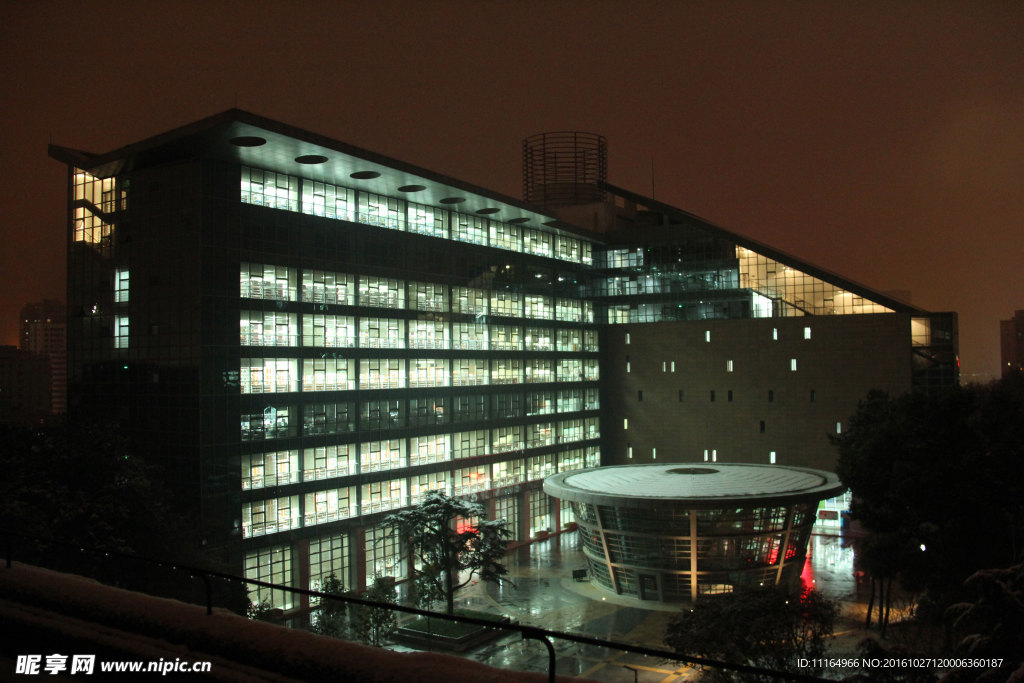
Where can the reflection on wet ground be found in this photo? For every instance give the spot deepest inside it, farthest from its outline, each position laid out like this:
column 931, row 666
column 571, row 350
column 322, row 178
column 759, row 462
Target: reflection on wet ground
column 540, row 592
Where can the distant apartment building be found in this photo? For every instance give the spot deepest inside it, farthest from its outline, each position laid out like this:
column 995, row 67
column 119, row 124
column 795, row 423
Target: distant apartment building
column 43, row 332
column 308, row 335
column 1011, row 344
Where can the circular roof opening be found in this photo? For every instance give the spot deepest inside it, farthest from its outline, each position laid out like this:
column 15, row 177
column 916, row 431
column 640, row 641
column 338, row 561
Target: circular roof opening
column 488, row 211
column 452, row 200
column 692, row 470
column 412, row 188
column 364, row 175
column 311, row 159
column 519, row 221
column 248, row 141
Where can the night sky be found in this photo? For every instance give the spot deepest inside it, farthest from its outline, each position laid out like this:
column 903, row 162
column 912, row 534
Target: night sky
column 881, row 141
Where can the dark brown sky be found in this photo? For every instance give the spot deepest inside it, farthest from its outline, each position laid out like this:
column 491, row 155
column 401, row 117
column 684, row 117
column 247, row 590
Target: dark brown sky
column 882, row 141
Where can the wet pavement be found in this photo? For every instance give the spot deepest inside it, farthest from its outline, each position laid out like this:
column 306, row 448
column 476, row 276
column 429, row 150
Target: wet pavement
column 541, row 592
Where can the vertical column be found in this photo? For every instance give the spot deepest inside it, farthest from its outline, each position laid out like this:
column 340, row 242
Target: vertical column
column 786, row 540
column 524, row 514
column 300, row 577
column 693, row 555
column 359, row 558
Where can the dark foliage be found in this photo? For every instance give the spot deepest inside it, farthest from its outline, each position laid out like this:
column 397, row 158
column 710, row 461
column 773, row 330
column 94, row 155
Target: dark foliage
column 938, row 481
column 81, row 483
column 763, row 627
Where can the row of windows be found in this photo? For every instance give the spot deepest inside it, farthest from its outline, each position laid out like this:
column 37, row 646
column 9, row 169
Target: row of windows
column 287, row 512
column 280, row 283
column 807, row 334
column 333, row 554
column 261, row 470
column 711, row 454
column 316, row 419
column 281, row 375
column 729, row 395
column 280, row 191
column 279, row 328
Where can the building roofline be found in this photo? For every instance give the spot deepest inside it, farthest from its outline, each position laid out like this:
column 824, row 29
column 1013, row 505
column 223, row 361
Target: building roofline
column 804, row 483
column 687, row 218
column 212, row 136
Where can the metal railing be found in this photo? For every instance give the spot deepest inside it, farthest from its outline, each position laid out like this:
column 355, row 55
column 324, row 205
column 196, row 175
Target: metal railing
column 545, row 636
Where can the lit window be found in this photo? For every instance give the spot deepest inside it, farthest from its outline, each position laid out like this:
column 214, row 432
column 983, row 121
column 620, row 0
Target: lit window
column 673, row 366
column 627, row 366
column 839, row 427
column 121, row 286
column 664, row 366
column 625, row 423
column 627, row 337
column 121, row 332
column 714, row 455
column 775, row 334
column 792, row 364
column 705, row 455
column 707, row 335
column 654, row 454
column 629, row 450
column 807, row 333
column 771, row 458
column 728, row 366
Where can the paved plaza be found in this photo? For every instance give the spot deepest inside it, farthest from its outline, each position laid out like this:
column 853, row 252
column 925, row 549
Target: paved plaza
column 542, row 593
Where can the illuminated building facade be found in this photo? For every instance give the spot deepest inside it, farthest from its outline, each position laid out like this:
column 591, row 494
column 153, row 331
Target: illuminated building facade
column 676, row 532
column 307, row 335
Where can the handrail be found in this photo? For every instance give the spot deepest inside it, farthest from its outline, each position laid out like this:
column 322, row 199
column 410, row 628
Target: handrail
column 527, row 632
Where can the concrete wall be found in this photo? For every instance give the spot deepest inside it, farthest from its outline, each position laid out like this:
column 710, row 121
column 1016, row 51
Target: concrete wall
column 772, row 406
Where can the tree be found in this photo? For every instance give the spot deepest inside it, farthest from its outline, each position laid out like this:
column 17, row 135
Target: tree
column 332, row 615
column 450, row 554
column 990, row 628
column 374, row 625
column 767, row 627
column 938, row 482
column 82, row 482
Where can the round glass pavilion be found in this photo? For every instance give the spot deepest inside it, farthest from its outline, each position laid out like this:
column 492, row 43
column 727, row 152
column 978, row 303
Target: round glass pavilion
column 678, row 531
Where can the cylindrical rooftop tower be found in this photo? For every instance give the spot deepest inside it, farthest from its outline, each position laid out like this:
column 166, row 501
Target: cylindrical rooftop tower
column 564, row 168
